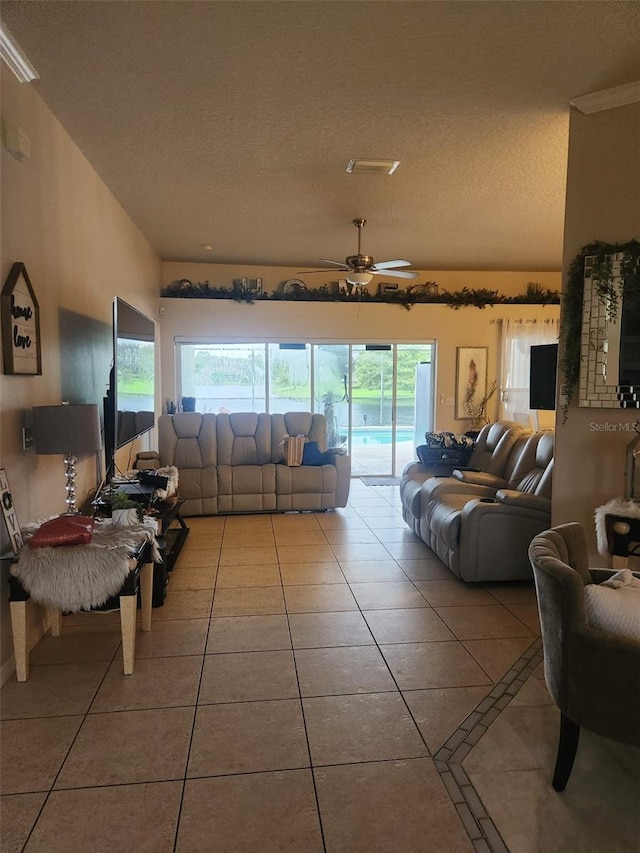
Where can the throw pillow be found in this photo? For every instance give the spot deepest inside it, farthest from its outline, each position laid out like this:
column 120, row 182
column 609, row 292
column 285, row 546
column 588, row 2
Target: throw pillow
column 64, row 530
column 311, row 454
column 293, row 446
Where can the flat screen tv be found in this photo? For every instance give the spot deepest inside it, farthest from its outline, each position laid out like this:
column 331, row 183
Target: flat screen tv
column 130, row 402
column 542, row 376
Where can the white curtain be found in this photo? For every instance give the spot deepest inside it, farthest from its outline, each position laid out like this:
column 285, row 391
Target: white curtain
column 518, row 336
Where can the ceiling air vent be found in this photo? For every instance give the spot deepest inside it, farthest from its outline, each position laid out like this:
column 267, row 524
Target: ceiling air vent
column 372, row 167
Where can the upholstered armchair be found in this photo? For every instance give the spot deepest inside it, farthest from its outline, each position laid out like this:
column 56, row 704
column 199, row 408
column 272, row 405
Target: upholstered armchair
column 592, row 674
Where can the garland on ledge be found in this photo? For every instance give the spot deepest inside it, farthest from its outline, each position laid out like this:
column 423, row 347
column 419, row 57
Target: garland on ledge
column 572, row 298
column 534, row 294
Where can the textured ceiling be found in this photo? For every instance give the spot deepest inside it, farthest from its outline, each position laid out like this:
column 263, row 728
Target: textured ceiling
column 231, row 123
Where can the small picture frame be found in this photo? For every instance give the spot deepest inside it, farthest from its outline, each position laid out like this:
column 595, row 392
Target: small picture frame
column 471, row 380
column 9, row 514
column 20, row 324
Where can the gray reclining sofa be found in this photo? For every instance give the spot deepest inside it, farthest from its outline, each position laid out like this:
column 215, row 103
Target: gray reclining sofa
column 233, row 463
column 480, row 520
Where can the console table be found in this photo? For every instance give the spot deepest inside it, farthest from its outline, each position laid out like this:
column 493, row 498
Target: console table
column 138, row 579
column 170, row 539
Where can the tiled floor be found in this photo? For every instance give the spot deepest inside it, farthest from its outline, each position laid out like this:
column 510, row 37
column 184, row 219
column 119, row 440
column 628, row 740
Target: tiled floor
column 312, row 682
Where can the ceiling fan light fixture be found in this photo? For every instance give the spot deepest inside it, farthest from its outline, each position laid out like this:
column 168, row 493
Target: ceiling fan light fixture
column 359, row 277
column 372, row 167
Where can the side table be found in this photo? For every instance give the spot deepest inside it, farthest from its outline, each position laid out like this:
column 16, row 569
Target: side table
column 618, row 530
column 623, row 538
column 140, row 578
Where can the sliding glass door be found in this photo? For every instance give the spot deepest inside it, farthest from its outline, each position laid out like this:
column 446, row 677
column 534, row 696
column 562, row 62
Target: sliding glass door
column 377, row 398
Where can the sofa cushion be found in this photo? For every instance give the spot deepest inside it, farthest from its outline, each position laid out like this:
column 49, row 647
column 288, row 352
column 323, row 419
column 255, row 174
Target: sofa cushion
column 494, row 445
column 532, row 473
column 247, row 488
column 443, row 517
column 312, row 426
column 306, row 487
column 244, row 438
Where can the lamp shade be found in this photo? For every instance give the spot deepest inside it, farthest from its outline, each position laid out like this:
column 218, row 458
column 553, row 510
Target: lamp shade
column 66, row 429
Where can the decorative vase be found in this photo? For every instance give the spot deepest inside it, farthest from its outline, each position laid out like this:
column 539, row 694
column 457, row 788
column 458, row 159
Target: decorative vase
column 125, row 517
column 632, row 468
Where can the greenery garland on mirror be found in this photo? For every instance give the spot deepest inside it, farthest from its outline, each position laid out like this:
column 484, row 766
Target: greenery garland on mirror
column 572, row 299
column 535, row 294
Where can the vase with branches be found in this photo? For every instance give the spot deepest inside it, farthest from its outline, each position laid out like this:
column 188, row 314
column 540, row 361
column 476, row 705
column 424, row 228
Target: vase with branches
column 476, row 407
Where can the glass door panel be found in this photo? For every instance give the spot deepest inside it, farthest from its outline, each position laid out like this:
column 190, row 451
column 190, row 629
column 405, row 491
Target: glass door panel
column 372, row 389
column 331, row 390
column 289, row 378
column 224, row 377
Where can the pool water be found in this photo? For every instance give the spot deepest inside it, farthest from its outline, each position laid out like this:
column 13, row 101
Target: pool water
column 372, row 435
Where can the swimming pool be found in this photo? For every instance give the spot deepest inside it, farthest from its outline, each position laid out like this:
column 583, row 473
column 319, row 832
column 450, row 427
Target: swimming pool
column 379, row 435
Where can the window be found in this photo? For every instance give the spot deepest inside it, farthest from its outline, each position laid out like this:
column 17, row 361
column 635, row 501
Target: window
column 518, row 336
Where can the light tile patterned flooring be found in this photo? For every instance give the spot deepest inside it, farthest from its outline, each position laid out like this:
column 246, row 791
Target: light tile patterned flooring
column 312, row 682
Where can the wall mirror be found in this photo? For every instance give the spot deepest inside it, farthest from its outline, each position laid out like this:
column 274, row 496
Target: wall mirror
column 610, row 338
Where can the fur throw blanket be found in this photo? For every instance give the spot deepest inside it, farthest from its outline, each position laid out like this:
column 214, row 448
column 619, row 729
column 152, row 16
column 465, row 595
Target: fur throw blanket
column 171, row 472
column 79, row 577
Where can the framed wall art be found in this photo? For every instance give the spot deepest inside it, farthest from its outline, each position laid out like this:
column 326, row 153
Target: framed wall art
column 471, row 381
column 9, row 514
column 20, row 324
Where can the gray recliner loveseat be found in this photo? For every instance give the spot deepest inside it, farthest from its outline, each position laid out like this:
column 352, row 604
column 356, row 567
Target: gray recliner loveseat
column 480, row 520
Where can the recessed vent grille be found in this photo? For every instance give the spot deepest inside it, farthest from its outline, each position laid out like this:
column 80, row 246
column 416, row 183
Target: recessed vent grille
column 372, row 167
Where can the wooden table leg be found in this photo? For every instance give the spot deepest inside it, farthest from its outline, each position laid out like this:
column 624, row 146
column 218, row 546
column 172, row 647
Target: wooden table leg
column 18, row 611
column 55, row 620
column 128, row 607
column 146, row 595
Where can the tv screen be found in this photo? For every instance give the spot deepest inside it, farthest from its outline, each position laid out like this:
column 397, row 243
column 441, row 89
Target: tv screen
column 131, row 397
column 542, row 376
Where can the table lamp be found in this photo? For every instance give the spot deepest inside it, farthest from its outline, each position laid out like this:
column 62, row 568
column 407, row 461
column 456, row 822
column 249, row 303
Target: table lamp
column 67, row 429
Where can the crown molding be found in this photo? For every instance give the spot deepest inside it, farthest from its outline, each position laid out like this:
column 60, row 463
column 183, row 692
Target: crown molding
column 607, row 99
column 15, row 57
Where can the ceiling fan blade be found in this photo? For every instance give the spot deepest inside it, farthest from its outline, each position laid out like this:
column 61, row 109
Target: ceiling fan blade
column 326, row 271
column 386, row 265
column 395, row 273
column 337, row 263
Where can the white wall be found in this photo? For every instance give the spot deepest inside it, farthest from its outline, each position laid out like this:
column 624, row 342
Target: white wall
column 603, row 203
column 80, row 250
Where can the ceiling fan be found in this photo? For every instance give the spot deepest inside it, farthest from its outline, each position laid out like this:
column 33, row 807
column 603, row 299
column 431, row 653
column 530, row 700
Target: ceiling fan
column 360, row 268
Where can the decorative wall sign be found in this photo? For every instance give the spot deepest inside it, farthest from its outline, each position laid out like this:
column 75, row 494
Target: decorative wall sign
column 471, row 381
column 20, row 324
column 9, row 514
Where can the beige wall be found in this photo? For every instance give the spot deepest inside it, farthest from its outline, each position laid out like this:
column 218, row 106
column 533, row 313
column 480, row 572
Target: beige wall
column 603, row 203
column 80, row 250
column 288, row 321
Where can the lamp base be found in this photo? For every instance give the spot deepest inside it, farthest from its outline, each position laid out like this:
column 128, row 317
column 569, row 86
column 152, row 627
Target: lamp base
column 70, row 486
